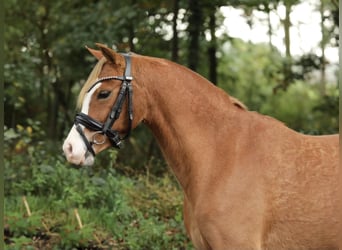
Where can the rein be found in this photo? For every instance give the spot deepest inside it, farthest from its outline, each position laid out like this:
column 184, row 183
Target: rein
column 104, row 129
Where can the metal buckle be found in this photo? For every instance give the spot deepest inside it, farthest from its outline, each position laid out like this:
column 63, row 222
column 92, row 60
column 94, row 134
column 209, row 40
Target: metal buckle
column 98, row 138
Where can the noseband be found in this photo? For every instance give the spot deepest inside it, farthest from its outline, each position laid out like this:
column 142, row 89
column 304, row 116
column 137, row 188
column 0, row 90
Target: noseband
column 105, row 129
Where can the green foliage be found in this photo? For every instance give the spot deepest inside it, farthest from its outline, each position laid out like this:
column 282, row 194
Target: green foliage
column 252, row 84
column 116, row 211
column 303, row 109
column 123, row 222
column 301, row 106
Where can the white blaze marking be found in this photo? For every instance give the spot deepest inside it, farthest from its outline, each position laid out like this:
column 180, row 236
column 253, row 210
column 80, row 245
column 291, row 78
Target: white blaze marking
column 85, row 108
column 87, row 99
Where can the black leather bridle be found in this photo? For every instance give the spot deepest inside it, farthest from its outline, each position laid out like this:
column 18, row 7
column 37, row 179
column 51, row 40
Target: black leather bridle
column 105, row 129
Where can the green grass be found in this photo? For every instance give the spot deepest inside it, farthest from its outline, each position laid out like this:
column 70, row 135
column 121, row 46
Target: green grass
column 117, row 211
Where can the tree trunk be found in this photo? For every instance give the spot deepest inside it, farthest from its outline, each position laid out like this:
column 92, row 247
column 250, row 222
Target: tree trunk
column 323, row 44
column 212, row 48
column 131, row 33
column 194, row 30
column 288, row 62
column 287, row 25
column 175, row 48
column 45, row 72
column 269, row 24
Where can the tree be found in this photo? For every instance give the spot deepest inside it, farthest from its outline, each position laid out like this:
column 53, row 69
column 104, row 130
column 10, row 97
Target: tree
column 44, row 43
column 195, row 30
column 212, row 48
column 46, row 62
column 175, row 39
column 327, row 10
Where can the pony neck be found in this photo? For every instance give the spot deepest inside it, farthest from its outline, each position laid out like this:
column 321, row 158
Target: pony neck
column 188, row 115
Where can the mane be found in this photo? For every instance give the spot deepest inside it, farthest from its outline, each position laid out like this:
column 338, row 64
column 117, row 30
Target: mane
column 97, row 69
column 91, row 79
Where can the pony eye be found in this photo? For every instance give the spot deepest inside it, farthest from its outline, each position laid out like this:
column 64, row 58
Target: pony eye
column 103, row 94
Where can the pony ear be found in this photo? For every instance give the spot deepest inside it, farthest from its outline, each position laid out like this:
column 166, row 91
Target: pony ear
column 110, row 54
column 96, row 53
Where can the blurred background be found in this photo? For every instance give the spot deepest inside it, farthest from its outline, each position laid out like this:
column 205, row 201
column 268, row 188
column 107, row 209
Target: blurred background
column 280, row 58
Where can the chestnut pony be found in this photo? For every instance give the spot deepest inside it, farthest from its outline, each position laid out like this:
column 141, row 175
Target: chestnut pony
column 249, row 182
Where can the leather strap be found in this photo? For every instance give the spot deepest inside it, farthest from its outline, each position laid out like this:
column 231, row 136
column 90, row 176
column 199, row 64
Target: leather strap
column 126, row 90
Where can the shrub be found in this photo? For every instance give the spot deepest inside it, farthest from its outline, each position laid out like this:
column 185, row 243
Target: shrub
column 117, row 212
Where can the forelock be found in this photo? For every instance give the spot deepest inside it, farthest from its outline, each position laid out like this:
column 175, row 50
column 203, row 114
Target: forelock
column 90, row 81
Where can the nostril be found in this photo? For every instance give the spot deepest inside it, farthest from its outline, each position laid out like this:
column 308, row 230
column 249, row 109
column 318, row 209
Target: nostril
column 68, row 149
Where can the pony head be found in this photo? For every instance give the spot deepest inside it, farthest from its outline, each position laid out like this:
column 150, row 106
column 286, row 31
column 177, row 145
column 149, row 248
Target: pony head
column 108, row 110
